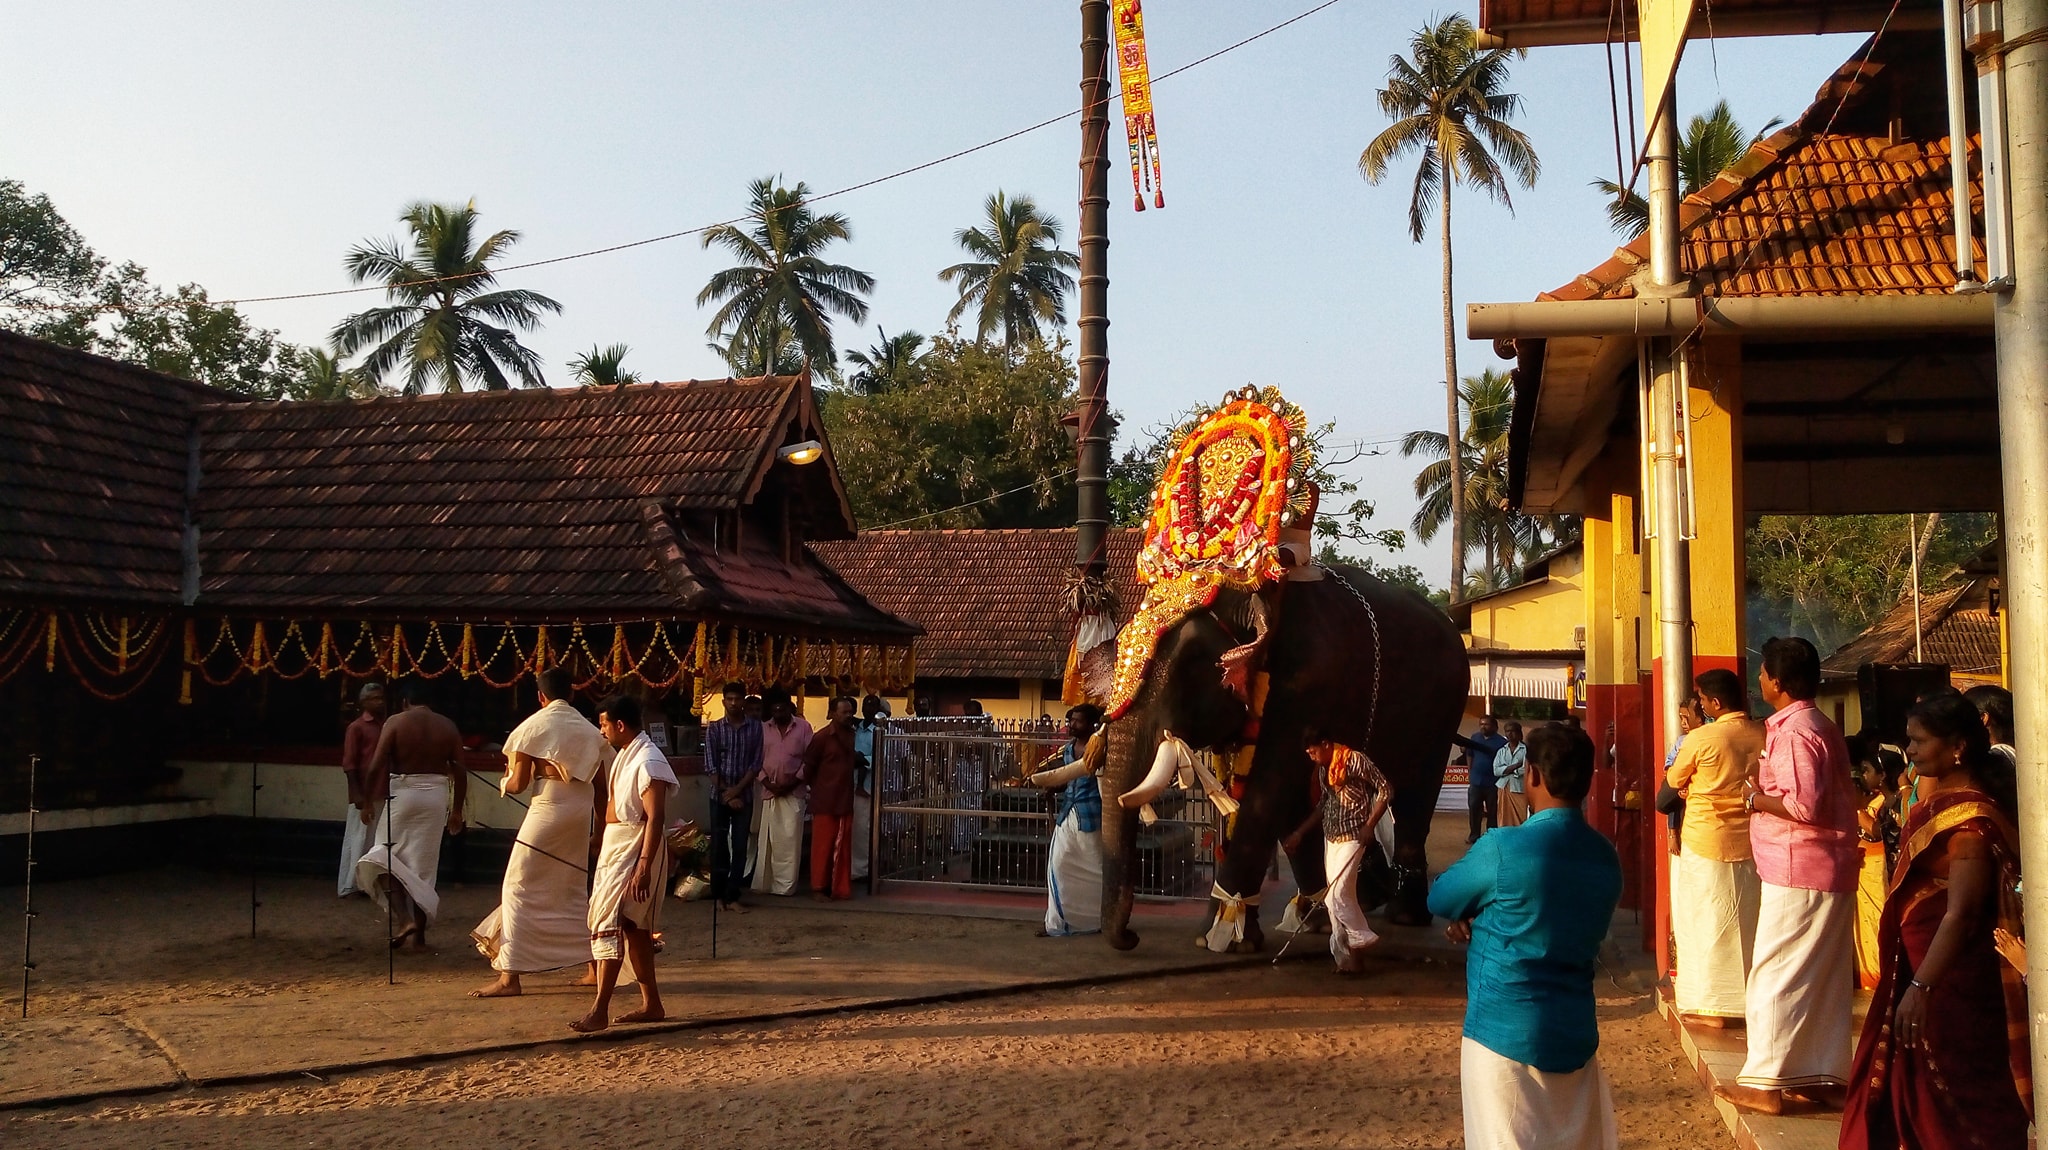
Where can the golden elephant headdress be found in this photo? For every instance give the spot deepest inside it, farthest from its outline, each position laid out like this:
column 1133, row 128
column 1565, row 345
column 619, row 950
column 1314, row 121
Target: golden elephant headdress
column 1235, row 476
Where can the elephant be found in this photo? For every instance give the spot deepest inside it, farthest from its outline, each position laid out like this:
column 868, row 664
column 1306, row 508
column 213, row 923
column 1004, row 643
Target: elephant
column 1320, row 659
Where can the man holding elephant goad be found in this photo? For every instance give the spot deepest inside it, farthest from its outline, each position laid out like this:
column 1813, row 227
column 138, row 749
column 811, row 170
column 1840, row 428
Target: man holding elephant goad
column 1355, row 799
column 1534, row 902
column 1073, row 879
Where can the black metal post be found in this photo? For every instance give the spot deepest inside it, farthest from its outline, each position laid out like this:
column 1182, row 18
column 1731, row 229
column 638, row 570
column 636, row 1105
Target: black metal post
column 1091, row 515
column 254, row 832
column 28, row 889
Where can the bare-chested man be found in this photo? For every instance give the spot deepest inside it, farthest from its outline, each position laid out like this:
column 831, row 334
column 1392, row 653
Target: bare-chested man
column 418, row 760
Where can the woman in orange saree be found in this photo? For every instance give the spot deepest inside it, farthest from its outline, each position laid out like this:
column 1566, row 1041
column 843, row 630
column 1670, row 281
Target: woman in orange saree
column 1944, row 1059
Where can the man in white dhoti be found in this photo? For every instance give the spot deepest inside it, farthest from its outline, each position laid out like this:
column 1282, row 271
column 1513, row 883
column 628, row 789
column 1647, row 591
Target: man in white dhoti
column 1714, row 890
column 778, row 847
column 631, row 876
column 1355, row 800
column 1073, row 873
column 542, row 920
column 1534, row 902
column 417, row 765
column 358, row 748
column 1803, row 835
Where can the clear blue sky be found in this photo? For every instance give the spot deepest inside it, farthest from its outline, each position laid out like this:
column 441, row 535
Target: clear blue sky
column 247, row 146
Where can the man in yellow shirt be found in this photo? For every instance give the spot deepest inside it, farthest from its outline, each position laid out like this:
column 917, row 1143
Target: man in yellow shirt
column 1714, row 887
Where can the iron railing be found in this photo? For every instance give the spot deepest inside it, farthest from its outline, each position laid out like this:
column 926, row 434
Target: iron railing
column 943, row 815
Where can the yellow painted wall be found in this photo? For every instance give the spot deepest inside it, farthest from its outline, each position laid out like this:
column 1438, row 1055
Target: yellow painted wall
column 1541, row 617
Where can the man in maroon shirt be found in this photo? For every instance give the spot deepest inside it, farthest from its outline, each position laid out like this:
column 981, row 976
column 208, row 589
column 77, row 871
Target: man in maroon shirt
column 358, row 746
column 828, row 769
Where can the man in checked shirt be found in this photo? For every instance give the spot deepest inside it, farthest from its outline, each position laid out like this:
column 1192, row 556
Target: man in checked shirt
column 732, row 757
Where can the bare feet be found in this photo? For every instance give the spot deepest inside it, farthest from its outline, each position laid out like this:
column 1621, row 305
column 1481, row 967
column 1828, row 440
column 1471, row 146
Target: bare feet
column 1820, row 1097
column 734, row 907
column 1712, row 1021
column 644, row 1014
column 590, row 1023
column 589, row 976
column 506, row 986
column 1753, row 1099
column 403, row 939
column 820, row 896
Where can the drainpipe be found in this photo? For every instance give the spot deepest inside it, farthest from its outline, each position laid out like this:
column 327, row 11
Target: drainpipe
column 1667, row 452
column 1953, row 62
column 2022, row 326
column 1983, row 32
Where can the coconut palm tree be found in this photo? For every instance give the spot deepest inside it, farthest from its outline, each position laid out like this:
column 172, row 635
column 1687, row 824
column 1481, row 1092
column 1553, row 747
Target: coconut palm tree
column 602, row 367
column 321, row 376
column 1018, row 280
column 1712, row 144
column 447, row 322
column 1448, row 103
column 1504, row 538
column 782, row 277
column 766, row 348
column 888, row 364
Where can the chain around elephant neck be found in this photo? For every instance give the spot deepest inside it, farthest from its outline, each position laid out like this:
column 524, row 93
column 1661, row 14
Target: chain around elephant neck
column 1372, row 713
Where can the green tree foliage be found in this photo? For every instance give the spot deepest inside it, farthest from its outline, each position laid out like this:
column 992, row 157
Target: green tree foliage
column 1504, row 538
column 782, row 280
column 602, row 367
column 972, row 439
column 322, row 376
column 766, row 348
column 895, row 362
column 1017, row 279
column 1827, row 577
column 1450, row 107
column 53, row 286
column 1711, row 145
column 447, row 322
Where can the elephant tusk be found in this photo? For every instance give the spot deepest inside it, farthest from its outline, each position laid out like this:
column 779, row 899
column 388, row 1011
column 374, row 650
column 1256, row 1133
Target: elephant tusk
column 1164, row 766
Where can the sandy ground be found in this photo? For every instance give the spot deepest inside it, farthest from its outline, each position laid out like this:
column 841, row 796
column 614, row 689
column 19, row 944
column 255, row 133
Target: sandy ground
column 1283, row 1056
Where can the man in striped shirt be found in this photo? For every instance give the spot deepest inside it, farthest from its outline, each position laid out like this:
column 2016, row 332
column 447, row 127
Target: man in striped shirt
column 732, row 757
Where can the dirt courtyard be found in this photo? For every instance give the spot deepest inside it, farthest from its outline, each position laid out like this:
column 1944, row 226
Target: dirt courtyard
column 1287, row 1056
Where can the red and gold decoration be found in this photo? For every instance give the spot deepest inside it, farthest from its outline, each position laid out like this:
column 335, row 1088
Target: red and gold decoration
column 1236, row 476
column 1128, row 18
column 112, row 655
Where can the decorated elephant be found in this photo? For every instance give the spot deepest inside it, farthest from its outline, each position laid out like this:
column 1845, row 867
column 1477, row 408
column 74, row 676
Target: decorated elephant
column 1242, row 647
column 1324, row 655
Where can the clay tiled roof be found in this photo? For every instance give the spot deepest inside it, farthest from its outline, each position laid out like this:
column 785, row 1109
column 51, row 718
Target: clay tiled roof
column 528, row 504
column 989, row 601
column 1956, row 628
column 93, row 460
column 1832, row 205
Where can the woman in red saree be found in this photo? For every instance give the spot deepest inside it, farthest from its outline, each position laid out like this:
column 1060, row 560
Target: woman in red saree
column 1944, row 1059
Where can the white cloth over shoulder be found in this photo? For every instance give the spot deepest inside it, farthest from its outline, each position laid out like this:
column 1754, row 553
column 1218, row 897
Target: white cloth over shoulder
column 638, row 766
column 560, row 734
column 1514, row 1106
column 414, row 818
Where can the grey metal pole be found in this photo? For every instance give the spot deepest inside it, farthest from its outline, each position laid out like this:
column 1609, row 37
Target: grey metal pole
column 2022, row 327
column 1674, row 559
column 254, row 839
column 28, row 889
column 1091, row 513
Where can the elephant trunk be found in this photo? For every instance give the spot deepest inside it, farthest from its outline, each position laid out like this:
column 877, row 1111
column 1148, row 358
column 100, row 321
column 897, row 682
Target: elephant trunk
column 1119, row 836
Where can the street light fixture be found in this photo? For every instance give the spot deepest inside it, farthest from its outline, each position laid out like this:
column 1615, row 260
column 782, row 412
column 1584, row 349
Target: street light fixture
column 809, row 451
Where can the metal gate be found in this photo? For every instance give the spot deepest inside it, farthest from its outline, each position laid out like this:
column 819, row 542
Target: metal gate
column 943, row 815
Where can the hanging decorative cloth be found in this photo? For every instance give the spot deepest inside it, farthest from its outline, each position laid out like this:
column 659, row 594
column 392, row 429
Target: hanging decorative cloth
column 1139, row 129
column 1236, row 476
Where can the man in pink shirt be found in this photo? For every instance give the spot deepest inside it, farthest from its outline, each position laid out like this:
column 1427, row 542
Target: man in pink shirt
column 784, row 738
column 1802, row 834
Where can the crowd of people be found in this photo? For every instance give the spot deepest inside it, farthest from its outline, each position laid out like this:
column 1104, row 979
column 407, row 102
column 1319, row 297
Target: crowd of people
column 1788, row 854
column 1798, row 865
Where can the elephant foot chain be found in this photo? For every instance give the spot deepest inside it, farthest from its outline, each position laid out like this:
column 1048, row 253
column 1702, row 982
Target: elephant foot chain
column 1410, row 906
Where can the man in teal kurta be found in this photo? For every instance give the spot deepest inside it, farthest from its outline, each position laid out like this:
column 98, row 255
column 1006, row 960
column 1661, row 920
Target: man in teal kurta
column 1534, row 902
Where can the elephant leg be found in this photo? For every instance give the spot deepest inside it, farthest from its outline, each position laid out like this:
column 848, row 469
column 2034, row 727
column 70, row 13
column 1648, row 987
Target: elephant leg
column 1242, row 871
column 1119, row 874
column 1306, row 863
column 1412, row 813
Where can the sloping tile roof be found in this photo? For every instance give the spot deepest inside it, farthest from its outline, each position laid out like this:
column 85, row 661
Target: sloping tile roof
column 1831, row 205
column 1956, row 628
column 93, row 460
column 528, row 504
column 989, row 601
